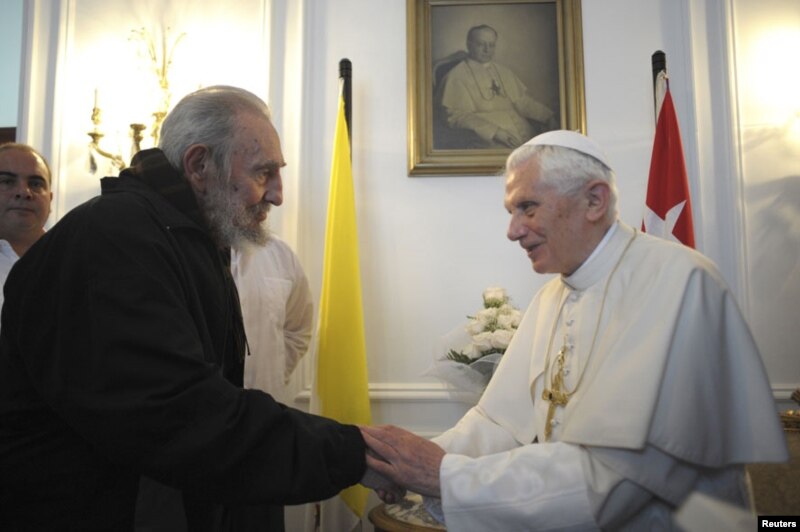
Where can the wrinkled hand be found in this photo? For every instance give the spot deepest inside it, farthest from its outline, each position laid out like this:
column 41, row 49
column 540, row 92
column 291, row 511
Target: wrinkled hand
column 387, row 491
column 404, row 458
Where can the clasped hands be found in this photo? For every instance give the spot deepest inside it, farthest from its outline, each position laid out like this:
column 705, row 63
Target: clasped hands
column 398, row 460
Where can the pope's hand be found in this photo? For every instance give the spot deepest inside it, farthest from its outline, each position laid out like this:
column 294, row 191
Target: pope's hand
column 404, row 458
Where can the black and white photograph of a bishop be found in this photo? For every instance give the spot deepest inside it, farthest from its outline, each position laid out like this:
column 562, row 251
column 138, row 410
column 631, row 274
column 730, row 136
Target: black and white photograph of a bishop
column 494, row 73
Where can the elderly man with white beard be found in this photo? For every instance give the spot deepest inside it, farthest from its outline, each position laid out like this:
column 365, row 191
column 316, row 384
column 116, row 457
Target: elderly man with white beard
column 122, row 345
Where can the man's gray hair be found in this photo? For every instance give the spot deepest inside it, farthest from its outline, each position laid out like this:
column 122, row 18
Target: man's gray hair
column 565, row 169
column 209, row 116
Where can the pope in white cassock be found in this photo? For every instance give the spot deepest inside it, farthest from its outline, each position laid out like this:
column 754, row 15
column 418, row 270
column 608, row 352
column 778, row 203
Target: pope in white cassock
column 633, row 379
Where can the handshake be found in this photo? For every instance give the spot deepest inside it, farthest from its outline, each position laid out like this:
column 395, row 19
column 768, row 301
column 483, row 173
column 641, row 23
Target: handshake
column 398, row 460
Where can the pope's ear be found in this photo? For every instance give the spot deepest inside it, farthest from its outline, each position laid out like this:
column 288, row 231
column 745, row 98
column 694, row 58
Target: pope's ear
column 195, row 166
column 598, row 195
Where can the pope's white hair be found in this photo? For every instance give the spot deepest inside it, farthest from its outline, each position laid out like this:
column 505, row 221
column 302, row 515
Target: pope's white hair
column 564, row 169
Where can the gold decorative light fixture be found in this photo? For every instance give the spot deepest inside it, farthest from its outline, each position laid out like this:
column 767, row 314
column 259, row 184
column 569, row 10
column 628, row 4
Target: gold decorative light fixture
column 160, row 60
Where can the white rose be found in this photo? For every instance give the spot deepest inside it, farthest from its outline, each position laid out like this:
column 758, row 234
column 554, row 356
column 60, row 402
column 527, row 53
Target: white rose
column 483, row 320
column 482, row 341
column 475, row 326
column 509, row 310
column 501, row 338
column 507, row 321
column 471, row 351
column 494, row 296
column 516, row 317
column 487, row 315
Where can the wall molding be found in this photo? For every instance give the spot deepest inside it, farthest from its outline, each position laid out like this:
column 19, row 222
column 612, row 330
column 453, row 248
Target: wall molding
column 783, row 391
column 432, row 391
column 408, row 392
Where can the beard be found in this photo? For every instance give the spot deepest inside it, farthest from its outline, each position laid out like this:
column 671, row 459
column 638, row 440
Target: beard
column 231, row 223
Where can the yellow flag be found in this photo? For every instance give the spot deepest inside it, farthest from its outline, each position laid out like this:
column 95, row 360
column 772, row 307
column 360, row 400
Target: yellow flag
column 342, row 385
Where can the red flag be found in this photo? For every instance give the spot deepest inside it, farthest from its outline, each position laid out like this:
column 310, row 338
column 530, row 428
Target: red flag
column 668, row 208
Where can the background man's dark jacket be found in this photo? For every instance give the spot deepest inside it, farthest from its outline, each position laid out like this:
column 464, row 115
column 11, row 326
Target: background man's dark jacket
column 121, row 337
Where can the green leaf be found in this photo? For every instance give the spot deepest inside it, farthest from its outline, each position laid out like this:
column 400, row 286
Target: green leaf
column 456, row 356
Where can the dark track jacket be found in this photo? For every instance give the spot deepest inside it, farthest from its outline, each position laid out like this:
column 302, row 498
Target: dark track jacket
column 120, row 352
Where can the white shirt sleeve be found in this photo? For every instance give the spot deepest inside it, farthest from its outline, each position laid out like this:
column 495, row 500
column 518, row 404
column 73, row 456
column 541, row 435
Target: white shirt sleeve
column 532, row 487
column 560, row 486
column 476, row 435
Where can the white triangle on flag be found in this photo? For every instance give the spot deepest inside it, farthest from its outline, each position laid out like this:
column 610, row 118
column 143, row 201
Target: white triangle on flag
column 663, row 227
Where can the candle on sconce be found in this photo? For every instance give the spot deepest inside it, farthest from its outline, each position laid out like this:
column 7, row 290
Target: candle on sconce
column 132, row 107
column 96, row 111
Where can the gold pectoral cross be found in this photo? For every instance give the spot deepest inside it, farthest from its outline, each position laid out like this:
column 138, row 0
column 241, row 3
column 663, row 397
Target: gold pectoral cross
column 556, row 394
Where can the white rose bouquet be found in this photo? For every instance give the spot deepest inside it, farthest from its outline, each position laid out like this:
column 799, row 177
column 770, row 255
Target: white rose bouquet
column 472, row 351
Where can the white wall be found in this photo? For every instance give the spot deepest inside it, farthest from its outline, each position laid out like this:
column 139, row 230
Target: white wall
column 767, row 38
column 10, row 57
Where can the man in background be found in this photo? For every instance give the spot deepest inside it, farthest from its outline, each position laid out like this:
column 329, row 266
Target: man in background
column 631, row 382
column 278, row 313
column 488, row 99
column 25, row 198
column 122, row 345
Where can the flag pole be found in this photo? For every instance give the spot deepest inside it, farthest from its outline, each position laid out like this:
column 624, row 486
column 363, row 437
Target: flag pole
column 668, row 205
column 659, row 63
column 346, row 75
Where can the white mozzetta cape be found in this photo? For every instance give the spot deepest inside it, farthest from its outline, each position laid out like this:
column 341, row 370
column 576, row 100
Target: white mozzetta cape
column 675, row 364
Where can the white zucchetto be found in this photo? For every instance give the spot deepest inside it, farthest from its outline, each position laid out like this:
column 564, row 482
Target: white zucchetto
column 572, row 140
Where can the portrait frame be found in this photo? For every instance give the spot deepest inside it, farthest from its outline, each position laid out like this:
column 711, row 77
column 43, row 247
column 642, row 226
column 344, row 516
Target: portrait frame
column 556, row 68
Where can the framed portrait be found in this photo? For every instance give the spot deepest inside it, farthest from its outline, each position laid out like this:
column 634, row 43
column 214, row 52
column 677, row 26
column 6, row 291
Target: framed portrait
column 486, row 76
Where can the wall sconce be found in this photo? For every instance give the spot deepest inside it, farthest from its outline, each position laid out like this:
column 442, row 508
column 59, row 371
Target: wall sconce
column 160, row 63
